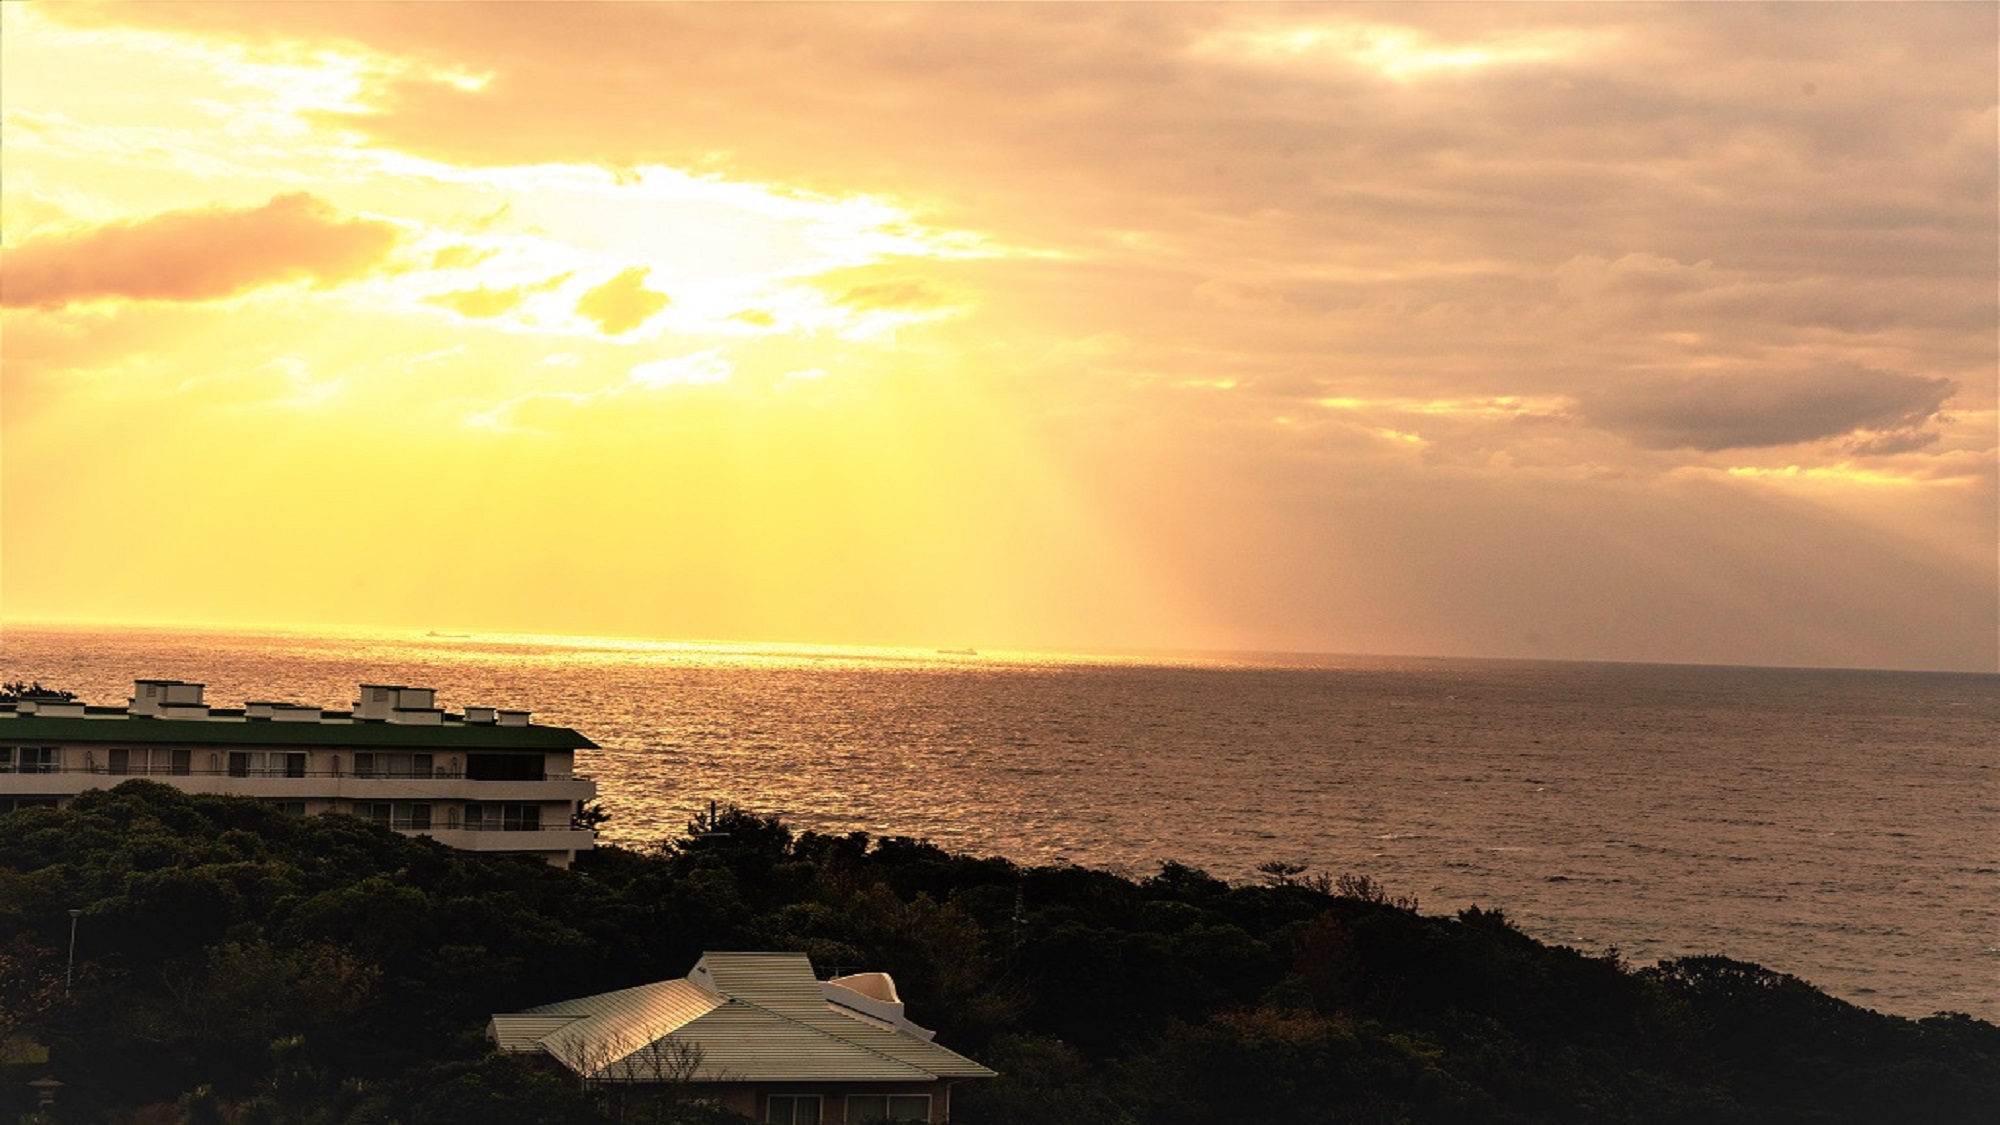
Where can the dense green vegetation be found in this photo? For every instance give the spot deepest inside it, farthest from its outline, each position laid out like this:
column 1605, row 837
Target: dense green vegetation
column 238, row 965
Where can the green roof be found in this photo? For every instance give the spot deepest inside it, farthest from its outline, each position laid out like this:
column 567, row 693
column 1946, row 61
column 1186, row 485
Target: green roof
column 266, row 732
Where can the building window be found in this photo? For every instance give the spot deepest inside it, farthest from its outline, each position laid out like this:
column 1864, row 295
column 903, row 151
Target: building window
column 792, row 1109
column 393, row 765
column 37, row 759
column 505, row 816
column 266, row 763
column 504, row 767
column 123, row 761
column 876, row 1109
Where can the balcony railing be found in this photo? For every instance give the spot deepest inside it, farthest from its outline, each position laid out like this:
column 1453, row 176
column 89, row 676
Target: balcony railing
column 273, row 771
column 442, row 823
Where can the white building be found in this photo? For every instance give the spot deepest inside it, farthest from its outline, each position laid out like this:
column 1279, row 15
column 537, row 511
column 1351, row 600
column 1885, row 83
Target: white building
column 486, row 780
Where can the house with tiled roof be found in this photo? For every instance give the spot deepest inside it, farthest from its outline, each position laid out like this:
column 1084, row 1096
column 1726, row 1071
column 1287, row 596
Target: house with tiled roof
column 759, row 1034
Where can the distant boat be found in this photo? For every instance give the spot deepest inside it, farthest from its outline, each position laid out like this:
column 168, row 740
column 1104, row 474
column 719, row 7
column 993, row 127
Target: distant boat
column 958, row 652
column 448, row 636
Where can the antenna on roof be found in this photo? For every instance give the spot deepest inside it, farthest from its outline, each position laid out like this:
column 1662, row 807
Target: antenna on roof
column 707, row 827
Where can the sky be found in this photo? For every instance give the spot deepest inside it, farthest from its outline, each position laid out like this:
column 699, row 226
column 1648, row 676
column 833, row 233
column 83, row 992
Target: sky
column 1609, row 332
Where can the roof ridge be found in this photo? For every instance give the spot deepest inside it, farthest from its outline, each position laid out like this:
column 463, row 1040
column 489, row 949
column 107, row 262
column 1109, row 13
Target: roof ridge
column 840, row 1039
column 902, row 1036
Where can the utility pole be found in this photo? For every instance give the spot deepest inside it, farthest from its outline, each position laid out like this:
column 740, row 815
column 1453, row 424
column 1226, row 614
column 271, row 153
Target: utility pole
column 69, row 970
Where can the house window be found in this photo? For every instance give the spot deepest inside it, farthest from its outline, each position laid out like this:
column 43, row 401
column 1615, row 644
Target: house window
column 120, row 761
column 792, row 1109
column 39, row 759
column 875, row 1109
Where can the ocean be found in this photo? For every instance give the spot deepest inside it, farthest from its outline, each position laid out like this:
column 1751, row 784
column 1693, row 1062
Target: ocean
column 1841, row 826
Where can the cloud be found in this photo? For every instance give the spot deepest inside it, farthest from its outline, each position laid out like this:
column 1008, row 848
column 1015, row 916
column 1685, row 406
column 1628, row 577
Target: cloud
column 902, row 294
column 1892, row 442
column 1714, row 411
column 485, row 302
column 623, row 303
column 459, row 256
column 480, row 303
column 700, row 369
column 197, row 255
column 1444, row 251
column 1241, row 296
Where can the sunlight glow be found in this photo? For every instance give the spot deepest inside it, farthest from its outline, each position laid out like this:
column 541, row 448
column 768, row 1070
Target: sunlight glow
column 1394, row 52
column 1841, row 474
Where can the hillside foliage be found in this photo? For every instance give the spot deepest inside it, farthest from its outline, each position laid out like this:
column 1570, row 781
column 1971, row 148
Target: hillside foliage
column 236, row 965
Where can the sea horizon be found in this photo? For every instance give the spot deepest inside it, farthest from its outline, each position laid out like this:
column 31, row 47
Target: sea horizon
column 1830, row 823
column 1301, row 658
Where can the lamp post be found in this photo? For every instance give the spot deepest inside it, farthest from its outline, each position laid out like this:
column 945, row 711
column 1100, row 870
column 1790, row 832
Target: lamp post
column 69, row 970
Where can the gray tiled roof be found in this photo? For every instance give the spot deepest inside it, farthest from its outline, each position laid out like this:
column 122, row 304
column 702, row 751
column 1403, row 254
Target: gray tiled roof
column 743, row 1016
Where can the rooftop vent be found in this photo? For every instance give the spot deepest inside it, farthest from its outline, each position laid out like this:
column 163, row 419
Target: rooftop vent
column 148, row 696
column 379, row 700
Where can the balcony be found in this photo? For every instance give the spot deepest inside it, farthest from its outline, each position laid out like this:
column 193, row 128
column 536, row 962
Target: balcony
column 555, row 838
column 295, row 784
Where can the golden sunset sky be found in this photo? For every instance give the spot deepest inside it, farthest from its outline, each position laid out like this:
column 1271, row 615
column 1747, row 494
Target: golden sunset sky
column 1601, row 332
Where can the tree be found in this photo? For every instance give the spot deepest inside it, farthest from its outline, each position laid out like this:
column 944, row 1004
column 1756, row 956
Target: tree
column 31, row 988
column 21, row 691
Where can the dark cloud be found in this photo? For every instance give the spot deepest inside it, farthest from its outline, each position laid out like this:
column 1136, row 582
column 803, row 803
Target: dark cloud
column 1714, row 411
column 197, row 255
